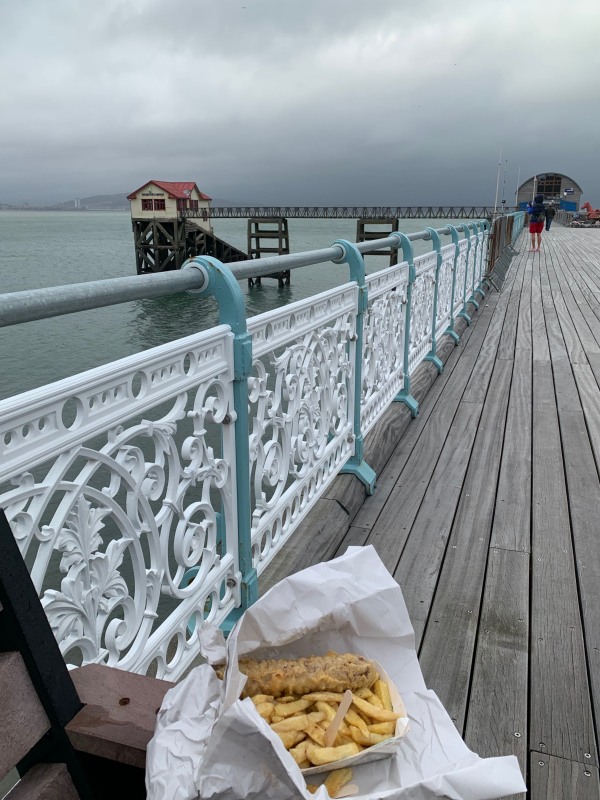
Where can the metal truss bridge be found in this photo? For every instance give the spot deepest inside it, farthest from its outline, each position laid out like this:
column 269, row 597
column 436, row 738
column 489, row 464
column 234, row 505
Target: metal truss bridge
column 347, row 212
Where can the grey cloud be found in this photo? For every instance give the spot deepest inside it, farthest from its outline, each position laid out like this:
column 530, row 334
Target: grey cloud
column 324, row 101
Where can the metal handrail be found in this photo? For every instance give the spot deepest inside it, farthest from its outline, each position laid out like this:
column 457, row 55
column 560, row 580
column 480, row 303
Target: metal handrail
column 53, row 301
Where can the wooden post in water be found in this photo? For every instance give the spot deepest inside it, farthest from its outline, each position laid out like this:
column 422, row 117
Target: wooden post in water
column 270, row 228
column 364, row 235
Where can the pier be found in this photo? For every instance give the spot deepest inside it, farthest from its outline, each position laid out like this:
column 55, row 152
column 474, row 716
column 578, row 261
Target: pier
column 347, row 212
column 469, row 461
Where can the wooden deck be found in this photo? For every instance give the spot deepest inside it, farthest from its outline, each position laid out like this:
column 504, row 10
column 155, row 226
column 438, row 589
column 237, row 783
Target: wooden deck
column 487, row 512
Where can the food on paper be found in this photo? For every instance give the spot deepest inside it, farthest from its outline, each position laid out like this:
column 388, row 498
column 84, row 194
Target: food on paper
column 319, row 717
column 334, row 783
column 284, row 676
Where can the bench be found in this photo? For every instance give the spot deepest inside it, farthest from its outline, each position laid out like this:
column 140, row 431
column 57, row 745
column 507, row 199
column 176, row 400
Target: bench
column 64, row 735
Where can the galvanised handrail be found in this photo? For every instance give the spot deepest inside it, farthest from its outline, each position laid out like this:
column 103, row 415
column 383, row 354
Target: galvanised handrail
column 178, row 473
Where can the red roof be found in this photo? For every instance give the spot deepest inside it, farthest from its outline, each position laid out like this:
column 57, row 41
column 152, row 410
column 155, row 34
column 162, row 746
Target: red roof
column 179, row 189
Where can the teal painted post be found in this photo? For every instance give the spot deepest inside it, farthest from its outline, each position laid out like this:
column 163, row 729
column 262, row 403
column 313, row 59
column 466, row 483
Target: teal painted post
column 221, row 284
column 450, row 329
column 479, row 289
column 404, row 396
column 463, row 312
column 356, row 465
column 437, row 247
column 472, row 299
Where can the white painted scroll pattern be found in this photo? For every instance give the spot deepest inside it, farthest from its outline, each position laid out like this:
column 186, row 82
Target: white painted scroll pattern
column 461, row 274
column 421, row 316
column 301, row 395
column 132, row 496
column 444, row 297
column 474, row 256
column 383, row 342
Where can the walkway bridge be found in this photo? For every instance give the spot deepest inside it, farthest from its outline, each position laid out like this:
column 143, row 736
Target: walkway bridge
column 347, row 212
column 465, row 449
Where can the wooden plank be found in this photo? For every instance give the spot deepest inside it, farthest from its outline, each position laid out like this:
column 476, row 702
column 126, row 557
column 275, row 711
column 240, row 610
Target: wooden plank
column 374, row 504
column 561, row 714
column 506, row 345
column 119, row 715
column 523, row 340
column 419, row 462
column 512, row 520
column 538, row 327
column 447, row 648
column 559, row 778
column 590, row 402
column 316, row 540
column 23, row 720
column 583, row 486
column 498, row 701
column 389, row 533
column 418, row 568
column 45, row 782
column 478, row 384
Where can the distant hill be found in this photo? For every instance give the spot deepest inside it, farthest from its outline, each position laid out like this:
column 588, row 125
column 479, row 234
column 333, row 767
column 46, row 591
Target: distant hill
column 98, row 202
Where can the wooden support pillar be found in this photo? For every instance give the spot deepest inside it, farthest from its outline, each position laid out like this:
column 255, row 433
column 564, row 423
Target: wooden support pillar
column 270, row 229
column 389, row 225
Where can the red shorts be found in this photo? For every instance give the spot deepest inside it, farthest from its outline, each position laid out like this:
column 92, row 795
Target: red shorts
column 536, row 227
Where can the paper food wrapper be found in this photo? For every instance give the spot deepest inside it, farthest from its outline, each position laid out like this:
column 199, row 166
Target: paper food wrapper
column 210, row 744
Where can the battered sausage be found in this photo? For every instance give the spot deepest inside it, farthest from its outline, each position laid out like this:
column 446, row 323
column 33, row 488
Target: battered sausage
column 284, row 676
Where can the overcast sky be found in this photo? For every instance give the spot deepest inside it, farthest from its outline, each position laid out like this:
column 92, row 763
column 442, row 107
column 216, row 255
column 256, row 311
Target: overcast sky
column 298, row 101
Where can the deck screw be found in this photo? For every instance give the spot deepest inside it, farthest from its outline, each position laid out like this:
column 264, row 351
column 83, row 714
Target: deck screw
column 542, row 744
column 587, row 755
column 541, row 763
column 517, row 734
column 587, row 773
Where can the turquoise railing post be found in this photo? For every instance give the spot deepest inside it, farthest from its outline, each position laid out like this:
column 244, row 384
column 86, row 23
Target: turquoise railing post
column 437, row 247
column 450, row 329
column 221, row 284
column 356, row 464
column 463, row 312
column 484, row 227
column 471, row 299
column 404, row 395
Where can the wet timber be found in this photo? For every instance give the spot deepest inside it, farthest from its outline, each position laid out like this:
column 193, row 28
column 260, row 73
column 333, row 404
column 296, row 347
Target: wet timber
column 492, row 529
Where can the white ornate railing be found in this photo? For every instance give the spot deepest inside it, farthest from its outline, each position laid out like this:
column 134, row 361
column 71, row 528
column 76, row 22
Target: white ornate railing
column 149, row 493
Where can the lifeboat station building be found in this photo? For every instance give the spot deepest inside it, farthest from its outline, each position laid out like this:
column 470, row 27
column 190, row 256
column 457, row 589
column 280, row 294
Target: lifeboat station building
column 165, row 200
column 556, row 188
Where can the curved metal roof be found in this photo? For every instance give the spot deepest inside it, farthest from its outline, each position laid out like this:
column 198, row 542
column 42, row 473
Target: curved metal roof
column 544, row 174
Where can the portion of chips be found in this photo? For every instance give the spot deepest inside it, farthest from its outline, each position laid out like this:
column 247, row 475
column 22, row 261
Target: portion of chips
column 320, row 728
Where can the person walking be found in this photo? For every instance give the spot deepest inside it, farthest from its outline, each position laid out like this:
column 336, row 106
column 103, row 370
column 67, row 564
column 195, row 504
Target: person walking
column 550, row 212
column 537, row 215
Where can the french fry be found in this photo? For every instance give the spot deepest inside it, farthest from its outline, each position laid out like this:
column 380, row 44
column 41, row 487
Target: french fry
column 336, row 779
column 326, row 709
column 352, row 718
column 289, row 698
column 290, row 738
column 379, row 714
column 265, row 710
column 328, row 697
column 383, row 728
column 262, row 698
column 319, row 756
column 367, row 739
column 383, row 693
column 298, row 723
column 316, row 733
column 298, row 753
column 304, row 764
column 312, row 787
column 316, row 716
column 289, row 709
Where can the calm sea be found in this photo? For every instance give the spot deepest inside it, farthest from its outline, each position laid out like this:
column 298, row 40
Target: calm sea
column 55, row 248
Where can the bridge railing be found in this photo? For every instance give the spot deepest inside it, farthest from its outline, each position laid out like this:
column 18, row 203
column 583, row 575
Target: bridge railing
column 149, row 494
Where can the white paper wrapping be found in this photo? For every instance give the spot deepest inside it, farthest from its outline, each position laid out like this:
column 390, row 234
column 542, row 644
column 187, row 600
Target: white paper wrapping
column 210, row 744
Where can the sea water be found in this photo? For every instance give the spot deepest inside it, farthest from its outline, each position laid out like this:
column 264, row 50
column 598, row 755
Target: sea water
column 47, row 248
